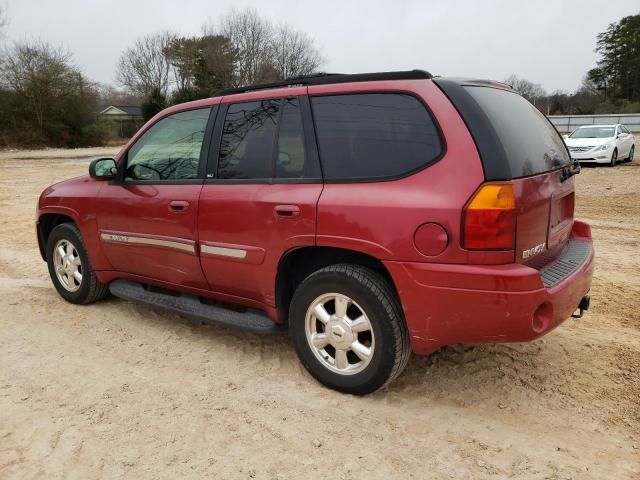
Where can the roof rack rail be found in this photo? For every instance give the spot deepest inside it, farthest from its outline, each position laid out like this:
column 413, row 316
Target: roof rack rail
column 478, row 81
column 328, row 78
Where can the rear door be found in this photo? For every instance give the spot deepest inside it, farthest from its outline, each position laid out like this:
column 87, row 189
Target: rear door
column 261, row 194
column 518, row 143
column 147, row 219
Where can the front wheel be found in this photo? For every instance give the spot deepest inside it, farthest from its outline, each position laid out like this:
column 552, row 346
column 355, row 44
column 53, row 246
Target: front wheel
column 630, row 157
column 69, row 266
column 348, row 329
column 614, row 158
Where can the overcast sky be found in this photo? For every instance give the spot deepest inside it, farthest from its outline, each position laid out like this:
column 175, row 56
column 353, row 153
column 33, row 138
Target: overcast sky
column 549, row 42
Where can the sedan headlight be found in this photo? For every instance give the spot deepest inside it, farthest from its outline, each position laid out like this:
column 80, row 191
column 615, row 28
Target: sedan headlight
column 602, row 147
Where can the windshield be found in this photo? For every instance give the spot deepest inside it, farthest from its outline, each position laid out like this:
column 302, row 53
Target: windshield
column 594, row 132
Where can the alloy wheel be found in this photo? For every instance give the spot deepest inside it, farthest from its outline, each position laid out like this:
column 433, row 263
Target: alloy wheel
column 339, row 333
column 68, row 265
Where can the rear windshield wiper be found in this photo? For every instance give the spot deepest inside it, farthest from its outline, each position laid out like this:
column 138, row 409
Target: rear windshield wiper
column 569, row 171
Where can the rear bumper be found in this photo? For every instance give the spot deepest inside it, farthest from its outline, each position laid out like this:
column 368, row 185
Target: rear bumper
column 446, row 304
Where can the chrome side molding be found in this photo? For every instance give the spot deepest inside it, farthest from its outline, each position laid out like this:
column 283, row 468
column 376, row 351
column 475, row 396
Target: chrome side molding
column 223, row 251
column 138, row 240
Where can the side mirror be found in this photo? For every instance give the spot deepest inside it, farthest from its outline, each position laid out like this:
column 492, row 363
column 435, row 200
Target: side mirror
column 565, row 136
column 103, row 169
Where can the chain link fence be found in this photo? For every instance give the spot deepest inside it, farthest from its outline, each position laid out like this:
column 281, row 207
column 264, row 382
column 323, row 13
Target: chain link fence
column 568, row 123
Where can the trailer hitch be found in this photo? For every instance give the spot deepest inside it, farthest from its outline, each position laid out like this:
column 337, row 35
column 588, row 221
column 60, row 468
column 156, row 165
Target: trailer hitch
column 582, row 306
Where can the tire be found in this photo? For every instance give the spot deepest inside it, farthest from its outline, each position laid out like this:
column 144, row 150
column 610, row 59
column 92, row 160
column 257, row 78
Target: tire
column 364, row 295
column 71, row 259
column 614, row 158
column 631, row 152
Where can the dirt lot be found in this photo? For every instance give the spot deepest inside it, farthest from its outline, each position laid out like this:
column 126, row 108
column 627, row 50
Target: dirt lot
column 116, row 390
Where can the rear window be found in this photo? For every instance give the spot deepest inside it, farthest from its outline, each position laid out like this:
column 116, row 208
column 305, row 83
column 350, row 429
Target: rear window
column 531, row 144
column 373, row 136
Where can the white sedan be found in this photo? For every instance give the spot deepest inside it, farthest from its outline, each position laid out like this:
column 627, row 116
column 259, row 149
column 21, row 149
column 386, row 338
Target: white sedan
column 601, row 144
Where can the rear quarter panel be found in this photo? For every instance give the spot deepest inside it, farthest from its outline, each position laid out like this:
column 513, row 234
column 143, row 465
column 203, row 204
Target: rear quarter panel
column 380, row 218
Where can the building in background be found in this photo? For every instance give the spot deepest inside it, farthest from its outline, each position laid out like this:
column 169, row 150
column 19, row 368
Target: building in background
column 125, row 120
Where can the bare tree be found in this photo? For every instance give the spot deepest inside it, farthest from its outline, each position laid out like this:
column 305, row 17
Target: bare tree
column 110, row 95
column 144, row 67
column 529, row 90
column 251, row 36
column 40, row 75
column 294, row 53
column 264, row 52
column 4, row 20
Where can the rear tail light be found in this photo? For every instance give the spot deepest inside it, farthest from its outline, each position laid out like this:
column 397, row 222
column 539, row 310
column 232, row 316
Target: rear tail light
column 489, row 218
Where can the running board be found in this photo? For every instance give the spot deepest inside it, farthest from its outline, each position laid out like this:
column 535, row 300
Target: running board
column 190, row 306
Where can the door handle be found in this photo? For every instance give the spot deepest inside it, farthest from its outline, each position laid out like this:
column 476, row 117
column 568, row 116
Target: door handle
column 287, row 211
column 178, row 206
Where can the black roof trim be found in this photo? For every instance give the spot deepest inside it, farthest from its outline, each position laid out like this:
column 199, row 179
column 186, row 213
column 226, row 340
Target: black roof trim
column 329, row 78
column 492, row 154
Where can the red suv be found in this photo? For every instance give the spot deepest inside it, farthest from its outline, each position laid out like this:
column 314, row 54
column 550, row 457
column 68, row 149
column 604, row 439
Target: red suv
column 376, row 214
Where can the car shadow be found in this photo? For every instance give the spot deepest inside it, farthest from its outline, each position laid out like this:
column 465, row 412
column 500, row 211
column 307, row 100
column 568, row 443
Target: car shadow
column 458, row 374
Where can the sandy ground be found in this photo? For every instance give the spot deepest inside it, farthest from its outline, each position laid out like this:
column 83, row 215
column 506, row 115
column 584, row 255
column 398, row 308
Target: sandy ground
column 116, row 390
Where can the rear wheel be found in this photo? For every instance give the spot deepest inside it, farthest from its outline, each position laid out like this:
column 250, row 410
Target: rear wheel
column 348, row 329
column 69, row 266
column 614, row 158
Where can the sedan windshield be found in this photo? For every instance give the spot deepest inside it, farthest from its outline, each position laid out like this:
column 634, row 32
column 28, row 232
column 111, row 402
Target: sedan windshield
column 593, row 132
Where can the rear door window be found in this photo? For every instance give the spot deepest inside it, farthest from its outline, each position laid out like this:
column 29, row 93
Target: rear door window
column 373, row 136
column 291, row 155
column 531, row 144
column 265, row 140
column 247, row 144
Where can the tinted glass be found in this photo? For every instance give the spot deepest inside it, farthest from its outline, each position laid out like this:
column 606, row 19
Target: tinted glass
column 369, row 136
column 247, row 145
column 290, row 162
column 531, row 143
column 170, row 149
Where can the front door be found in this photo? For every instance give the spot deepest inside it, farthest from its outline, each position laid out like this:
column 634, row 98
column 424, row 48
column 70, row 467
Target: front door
column 263, row 197
column 147, row 219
